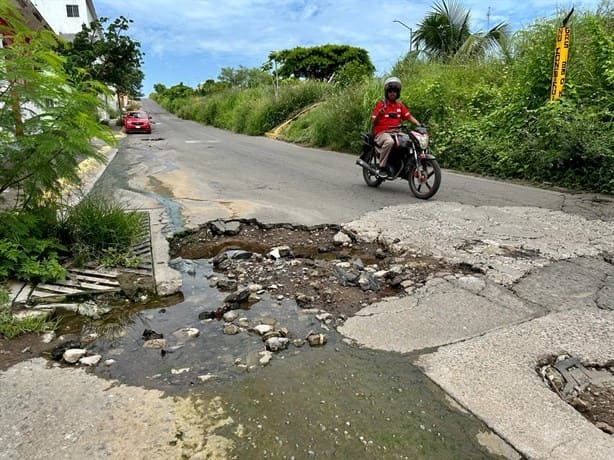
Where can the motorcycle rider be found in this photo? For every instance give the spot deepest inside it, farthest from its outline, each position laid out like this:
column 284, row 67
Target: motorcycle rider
column 386, row 119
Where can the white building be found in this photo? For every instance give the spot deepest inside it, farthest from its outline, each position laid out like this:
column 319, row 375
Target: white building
column 66, row 16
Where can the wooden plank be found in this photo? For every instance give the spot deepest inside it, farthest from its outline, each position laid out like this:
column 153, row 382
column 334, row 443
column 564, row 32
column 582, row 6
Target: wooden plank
column 58, row 288
column 100, row 287
column 93, row 279
column 138, row 271
column 111, row 274
column 24, row 294
column 45, row 294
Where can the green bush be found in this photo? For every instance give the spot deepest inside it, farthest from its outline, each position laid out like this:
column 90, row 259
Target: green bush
column 28, row 249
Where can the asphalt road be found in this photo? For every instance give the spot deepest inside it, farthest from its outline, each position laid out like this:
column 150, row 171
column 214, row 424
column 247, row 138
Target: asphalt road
column 212, row 173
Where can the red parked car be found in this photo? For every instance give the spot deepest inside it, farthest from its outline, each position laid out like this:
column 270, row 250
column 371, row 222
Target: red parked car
column 137, row 122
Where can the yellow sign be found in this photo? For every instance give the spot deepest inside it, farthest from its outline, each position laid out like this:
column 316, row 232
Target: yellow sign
column 559, row 68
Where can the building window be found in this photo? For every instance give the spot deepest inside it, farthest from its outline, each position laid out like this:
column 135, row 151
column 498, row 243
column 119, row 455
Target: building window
column 72, row 11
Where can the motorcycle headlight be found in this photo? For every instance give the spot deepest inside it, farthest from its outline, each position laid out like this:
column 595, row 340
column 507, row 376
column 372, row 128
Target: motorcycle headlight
column 423, row 140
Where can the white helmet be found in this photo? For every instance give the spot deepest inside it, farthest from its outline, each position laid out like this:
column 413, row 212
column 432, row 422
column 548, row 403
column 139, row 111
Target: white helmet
column 392, row 82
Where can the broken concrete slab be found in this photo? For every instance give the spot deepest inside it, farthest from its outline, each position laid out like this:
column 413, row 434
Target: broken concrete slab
column 506, row 243
column 168, row 280
column 494, row 376
column 441, row 312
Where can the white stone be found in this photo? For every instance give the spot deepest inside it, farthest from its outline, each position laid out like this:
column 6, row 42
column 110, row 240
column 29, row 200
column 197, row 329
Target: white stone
column 180, row 371
column 73, row 355
column 342, row 238
column 155, row 343
column 48, row 337
column 263, row 328
column 277, row 343
column 90, row 360
column 206, row 377
column 230, row 316
column 265, row 357
column 187, row 332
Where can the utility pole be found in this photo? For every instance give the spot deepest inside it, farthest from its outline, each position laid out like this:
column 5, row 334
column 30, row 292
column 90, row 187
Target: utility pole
column 411, row 34
column 488, row 19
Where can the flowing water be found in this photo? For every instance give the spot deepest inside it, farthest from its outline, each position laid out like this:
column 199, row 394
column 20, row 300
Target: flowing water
column 333, row 401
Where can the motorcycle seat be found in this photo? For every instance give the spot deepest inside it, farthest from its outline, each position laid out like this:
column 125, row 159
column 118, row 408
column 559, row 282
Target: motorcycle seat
column 369, row 139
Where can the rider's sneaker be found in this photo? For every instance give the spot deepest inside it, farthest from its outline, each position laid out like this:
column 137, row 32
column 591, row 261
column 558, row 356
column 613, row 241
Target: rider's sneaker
column 382, row 173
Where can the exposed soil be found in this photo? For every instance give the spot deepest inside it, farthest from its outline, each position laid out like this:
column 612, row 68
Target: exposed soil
column 594, row 398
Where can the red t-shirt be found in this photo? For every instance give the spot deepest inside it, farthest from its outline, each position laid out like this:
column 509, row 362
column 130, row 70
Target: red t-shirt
column 385, row 121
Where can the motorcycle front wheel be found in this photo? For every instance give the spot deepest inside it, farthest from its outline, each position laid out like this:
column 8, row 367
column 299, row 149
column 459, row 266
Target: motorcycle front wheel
column 372, row 180
column 425, row 181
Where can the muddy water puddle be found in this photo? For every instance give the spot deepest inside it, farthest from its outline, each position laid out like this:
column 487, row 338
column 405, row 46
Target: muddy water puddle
column 332, row 401
column 344, row 402
column 183, row 362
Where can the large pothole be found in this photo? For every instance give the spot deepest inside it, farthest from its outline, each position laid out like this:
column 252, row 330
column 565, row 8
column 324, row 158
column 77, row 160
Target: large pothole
column 322, row 267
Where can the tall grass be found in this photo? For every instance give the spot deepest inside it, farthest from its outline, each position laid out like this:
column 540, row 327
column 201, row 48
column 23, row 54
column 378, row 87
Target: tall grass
column 99, row 226
column 11, row 326
column 252, row 111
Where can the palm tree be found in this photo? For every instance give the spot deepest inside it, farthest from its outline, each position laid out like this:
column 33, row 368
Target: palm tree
column 444, row 34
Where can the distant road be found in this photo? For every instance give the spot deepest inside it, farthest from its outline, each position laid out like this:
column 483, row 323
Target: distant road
column 211, row 173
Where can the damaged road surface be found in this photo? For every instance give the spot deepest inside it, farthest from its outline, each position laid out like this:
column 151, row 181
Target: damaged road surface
column 251, row 362
column 253, row 365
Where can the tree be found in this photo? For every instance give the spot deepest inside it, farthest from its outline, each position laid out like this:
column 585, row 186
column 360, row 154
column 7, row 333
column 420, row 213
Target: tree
column 444, row 34
column 46, row 118
column 210, row 86
column 244, row 77
column 108, row 55
column 320, row 62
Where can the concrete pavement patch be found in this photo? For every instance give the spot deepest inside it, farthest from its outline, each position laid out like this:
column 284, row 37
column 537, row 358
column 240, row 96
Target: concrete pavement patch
column 67, row 413
column 494, row 377
column 535, row 262
column 581, row 282
column 441, row 312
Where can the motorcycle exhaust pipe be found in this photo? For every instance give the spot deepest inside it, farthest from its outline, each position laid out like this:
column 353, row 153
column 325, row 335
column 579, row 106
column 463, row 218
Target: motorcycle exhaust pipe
column 367, row 166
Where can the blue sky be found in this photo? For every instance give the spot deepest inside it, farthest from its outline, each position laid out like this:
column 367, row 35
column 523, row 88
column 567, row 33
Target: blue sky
column 190, row 41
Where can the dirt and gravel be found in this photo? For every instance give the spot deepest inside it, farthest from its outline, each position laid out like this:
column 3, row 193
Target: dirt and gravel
column 322, row 268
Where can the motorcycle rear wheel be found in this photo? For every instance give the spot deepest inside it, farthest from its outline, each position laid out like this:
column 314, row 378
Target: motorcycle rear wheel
column 372, row 180
column 425, row 183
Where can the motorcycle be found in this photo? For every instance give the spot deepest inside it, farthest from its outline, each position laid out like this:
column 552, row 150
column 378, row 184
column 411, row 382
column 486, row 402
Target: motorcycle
column 409, row 159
